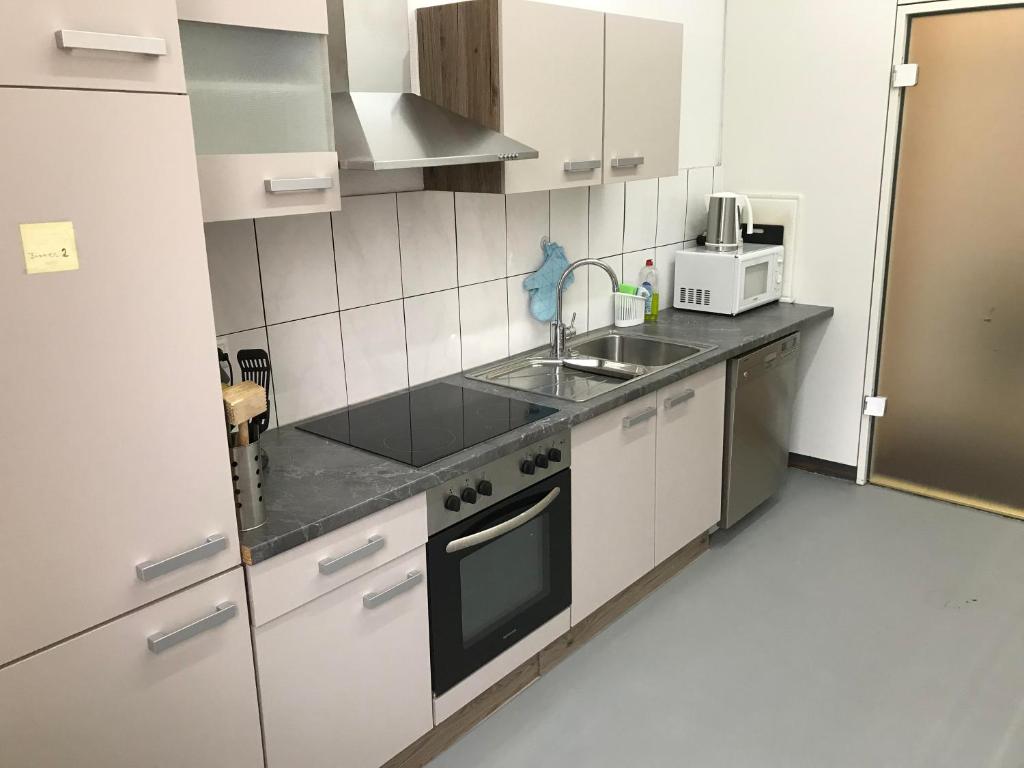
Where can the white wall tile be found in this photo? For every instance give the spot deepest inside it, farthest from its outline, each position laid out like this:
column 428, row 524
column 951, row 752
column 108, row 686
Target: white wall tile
column 602, row 309
column 480, row 229
column 483, row 309
column 432, row 336
column 607, row 211
column 700, row 182
column 523, row 331
column 374, row 341
column 234, row 275
column 528, row 222
column 426, row 225
column 570, row 221
column 666, row 263
column 366, row 250
column 671, row 210
column 297, row 265
column 253, row 339
column 641, row 224
column 718, row 179
column 308, row 367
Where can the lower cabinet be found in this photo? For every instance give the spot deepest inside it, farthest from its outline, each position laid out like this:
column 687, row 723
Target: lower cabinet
column 171, row 684
column 345, row 678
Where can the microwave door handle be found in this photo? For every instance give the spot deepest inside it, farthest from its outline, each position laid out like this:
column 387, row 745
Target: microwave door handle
column 501, row 529
column 744, row 202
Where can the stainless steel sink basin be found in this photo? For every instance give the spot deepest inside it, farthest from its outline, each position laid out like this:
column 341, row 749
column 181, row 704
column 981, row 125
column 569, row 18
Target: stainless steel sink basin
column 636, row 350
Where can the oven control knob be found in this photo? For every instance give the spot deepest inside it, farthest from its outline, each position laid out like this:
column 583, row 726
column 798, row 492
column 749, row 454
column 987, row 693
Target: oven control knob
column 484, row 488
column 526, row 467
column 469, row 495
column 452, row 503
column 555, row 454
column 541, row 460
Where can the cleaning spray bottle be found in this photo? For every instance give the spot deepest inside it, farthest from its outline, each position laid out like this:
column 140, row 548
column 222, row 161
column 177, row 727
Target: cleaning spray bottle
column 649, row 281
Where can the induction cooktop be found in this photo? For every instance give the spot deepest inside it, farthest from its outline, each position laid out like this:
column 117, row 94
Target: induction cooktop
column 420, row 426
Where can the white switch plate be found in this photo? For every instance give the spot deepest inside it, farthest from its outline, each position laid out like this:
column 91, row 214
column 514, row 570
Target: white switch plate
column 874, row 406
column 904, row 75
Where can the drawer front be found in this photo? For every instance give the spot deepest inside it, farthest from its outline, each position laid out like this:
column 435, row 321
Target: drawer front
column 295, row 15
column 99, row 44
column 342, row 683
column 105, row 698
column 256, row 186
column 285, row 582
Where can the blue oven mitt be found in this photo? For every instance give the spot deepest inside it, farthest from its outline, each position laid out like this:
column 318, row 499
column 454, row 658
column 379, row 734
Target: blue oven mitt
column 543, row 283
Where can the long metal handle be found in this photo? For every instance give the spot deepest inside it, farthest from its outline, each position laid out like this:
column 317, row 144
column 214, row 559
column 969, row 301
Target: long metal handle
column 161, row 641
column 377, row 599
column 581, row 166
column 331, row 565
column 636, row 418
column 69, row 39
column 151, row 569
column 627, row 162
column 298, row 185
column 682, row 397
column 502, row 528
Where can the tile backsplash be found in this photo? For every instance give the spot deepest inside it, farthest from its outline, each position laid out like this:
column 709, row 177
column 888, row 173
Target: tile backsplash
column 398, row 289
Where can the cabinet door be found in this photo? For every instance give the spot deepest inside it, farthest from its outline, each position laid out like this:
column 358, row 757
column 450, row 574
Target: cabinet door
column 344, row 683
column 552, row 60
column 691, row 427
column 612, row 503
column 106, row 699
column 116, row 451
column 643, row 86
column 97, row 44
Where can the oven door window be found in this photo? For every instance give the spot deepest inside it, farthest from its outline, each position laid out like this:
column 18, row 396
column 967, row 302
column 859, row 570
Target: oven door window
column 755, row 280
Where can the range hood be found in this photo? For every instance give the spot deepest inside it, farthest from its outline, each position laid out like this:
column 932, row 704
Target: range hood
column 376, row 128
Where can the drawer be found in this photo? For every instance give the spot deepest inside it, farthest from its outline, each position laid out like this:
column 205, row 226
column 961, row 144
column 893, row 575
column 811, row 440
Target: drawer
column 295, row 15
column 257, row 186
column 299, row 575
column 104, row 45
column 105, row 698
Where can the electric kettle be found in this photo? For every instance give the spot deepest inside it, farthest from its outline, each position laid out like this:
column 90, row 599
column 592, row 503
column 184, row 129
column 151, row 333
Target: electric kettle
column 724, row 220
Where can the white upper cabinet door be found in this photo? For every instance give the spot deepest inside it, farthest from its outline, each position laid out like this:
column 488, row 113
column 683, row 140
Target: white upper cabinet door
column 117, row 45
column 612, row 503
column 294, row 15
column 116, row 452
column 643, row 88
column 140, row 692
column 552, row 60
column 691, row 428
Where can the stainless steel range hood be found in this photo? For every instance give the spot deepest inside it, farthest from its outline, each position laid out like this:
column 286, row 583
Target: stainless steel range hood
column 380, row 129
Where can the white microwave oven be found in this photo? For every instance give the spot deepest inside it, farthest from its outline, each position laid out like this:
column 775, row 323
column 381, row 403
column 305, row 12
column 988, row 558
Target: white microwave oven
column 728, row 283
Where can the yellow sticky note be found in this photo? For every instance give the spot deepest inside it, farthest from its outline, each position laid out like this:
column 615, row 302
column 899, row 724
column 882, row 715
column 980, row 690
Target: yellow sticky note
column 49, row 247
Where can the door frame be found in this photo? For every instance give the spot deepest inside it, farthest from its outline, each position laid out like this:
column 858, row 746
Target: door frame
column 907, row 11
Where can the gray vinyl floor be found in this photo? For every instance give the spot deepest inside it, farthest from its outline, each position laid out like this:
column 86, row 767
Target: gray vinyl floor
column 841, row 626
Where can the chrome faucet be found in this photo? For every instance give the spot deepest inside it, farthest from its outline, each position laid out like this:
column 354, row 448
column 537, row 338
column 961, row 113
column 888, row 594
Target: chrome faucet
column 559, row 333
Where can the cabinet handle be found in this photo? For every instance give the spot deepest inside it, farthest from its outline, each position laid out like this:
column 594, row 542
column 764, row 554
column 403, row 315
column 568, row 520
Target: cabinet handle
column 69, row 39
column 581, row 166
column 682, row 397
column 501, row 529
column 637, row 418
column 377, row 599
column 331, row 565
column 161, row 641
column 627, row 162
column 150, row 569
column 307, row 184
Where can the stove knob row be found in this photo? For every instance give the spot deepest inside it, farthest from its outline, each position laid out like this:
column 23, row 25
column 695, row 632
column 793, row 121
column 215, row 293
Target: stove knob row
column 452, row 503
column 484, row 488
column 541, row 460
column 527, row 467
column 469, row 495
column 555, row 454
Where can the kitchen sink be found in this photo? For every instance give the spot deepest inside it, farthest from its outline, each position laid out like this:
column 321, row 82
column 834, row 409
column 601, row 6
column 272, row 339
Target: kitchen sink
column 636, row 350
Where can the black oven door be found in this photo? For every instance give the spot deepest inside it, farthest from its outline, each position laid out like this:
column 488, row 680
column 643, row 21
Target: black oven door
column 496, row 576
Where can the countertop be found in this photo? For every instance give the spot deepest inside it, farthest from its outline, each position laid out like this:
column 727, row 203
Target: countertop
column 314, row 486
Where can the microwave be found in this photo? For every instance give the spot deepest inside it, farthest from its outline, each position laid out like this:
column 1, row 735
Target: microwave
column 727, row 283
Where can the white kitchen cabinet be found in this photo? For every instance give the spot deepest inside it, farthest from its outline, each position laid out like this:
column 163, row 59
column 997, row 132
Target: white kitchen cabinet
column 134, row 693
column 116, row 45
column 345, row 679
column 643, row 86
column 613, row 491
column 116, row 452
column 691, row 428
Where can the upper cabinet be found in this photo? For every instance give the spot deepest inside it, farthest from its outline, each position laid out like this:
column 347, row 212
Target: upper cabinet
column 597, row 95
column 257, row 79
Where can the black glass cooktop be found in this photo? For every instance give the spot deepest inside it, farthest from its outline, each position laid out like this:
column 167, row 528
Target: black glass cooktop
column 422, row 425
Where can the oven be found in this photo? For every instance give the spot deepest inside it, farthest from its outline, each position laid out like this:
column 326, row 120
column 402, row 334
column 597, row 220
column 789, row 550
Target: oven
column 505, row 568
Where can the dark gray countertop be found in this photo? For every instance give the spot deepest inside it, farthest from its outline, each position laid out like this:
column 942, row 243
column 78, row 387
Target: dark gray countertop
column 314, row 486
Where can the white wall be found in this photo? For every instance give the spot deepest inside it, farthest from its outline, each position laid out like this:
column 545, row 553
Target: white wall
column 806, row 91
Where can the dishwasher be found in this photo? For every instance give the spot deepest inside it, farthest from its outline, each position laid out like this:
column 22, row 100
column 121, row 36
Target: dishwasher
column 760, row 389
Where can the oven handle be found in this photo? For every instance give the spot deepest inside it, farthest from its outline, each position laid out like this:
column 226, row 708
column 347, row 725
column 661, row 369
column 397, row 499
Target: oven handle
column 502, row 528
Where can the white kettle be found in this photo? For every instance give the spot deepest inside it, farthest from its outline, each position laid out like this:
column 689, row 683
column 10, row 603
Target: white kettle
column 724, row 216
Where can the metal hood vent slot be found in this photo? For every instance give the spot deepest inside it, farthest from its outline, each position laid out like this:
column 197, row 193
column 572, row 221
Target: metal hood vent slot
column 386, row 131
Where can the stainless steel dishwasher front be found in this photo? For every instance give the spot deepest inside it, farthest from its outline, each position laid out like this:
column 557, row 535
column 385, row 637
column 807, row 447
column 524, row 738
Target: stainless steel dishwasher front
column 761, row 387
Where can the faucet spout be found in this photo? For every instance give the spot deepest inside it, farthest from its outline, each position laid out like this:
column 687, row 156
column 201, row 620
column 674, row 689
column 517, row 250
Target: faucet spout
column 558, row 330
